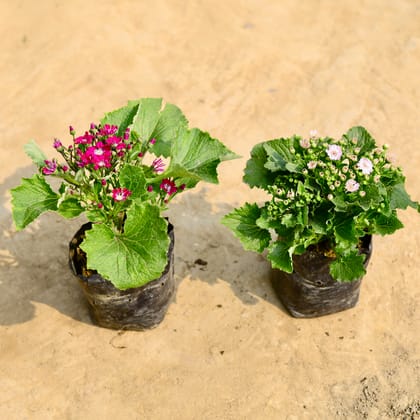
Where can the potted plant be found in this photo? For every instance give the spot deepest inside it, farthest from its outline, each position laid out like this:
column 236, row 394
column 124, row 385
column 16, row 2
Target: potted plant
column 327, row 197
column 122, row 174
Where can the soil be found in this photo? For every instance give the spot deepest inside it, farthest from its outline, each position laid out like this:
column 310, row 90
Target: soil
column 246, row 71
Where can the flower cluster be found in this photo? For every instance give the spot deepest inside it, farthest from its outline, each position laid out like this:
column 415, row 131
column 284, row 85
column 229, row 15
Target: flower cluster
column 93, row 163
column 328, row 169
column 323, row 191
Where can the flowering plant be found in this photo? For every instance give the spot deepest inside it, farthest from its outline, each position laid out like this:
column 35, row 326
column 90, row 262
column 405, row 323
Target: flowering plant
column 323, row 192
column 122, row 173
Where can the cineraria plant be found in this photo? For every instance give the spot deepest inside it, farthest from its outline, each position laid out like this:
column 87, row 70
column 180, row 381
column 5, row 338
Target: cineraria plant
column 122, row 173
column 323, row 192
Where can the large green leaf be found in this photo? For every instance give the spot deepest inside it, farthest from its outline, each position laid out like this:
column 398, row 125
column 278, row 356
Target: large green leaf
column 70, row 207
column 134, row 257
column 387, row 225
column 256, row 174
column 35, row 153
column 147, row 117
column 364, row 140
column 348, row 268
column 122, row 117
column 400, row 198
column 280, row 255
column 30, row 199
column 199, row 154
column 132, row 177
column 280, row 158
column 169, row 126
column 243, row 223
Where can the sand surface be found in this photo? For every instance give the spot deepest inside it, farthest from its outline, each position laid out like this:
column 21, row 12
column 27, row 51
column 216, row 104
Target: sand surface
column 245, row 71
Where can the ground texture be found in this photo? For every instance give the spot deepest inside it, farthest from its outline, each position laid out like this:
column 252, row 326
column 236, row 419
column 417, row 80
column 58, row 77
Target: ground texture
column 245, row 71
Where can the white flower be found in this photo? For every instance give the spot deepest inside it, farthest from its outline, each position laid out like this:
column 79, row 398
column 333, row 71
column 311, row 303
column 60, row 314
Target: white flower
column 365, row 165
column 304, row 143
column 352, row 185
column 313, row 133
column 312, row 164
column 334, row 152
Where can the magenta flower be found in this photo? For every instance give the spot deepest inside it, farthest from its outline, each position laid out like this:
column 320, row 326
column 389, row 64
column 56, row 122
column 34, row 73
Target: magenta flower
column 71, row 130
column 57, row 144
column 152, row 141
column 120, row 194
column 365, row 165
column 168, row 186
column 108, row 130
column 352, row 185
column 158, row 166
column 113, row 141
column 126, row 134
column 334, row 152
column 50, row 167
column 150, row 188
column 85, row 139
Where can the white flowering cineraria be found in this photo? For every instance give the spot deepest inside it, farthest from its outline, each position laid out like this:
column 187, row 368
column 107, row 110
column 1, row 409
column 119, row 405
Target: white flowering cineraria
column 323, row 190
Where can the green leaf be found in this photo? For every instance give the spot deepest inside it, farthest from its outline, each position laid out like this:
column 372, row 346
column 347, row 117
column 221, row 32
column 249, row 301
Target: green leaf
column 132, row 177
column 199, row 154
column 146, row 118
column 344, row 228
column 348, row 268
column 70, row 207
column 400, row 198
column 169, row 126
column 122, row 117
column 35, row 153
column 243, row 223
column 256, row 174
column 365, row 141
column 30, row 199
column 279, row 155
column 280, row 255
column 134, row 257
column 387, row 225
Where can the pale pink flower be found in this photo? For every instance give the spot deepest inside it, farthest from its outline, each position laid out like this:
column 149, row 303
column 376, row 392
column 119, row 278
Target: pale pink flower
column 334, row 152
column 312, row 164
column 365, row 165
column 352, row 185
column 304, row 143
column 313, row 133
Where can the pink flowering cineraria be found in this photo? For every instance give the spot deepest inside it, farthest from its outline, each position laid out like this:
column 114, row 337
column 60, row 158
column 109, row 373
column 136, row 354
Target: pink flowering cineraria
column 95, row 160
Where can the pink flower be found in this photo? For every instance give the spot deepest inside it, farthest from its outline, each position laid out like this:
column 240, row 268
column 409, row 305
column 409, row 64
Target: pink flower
column 168, row 186
column 57, row 144
column 85, row 139
column 158, row 165
column 64, row 168
column 313, row 133
column 50, row 167
column 150, row 188
column 365, row 165
column 352, row 185
column 126, row 134
column 334, row 152
column 103, row 182
column 304, row 143
column 120, row 194
column 71, row 130
column 108, row 130
column 312, row 164
column 113, row 141
column 152, row 141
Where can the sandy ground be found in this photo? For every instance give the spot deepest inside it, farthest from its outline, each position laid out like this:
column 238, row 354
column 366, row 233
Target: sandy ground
column 245, row 71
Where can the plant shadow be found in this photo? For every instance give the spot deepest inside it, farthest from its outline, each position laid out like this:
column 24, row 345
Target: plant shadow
column 206, row 250
column 34, row 262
